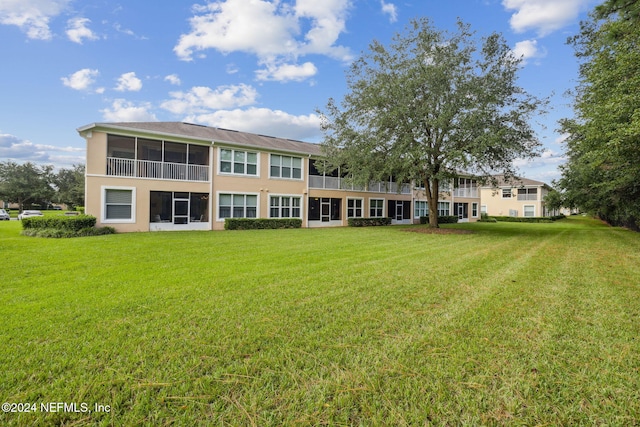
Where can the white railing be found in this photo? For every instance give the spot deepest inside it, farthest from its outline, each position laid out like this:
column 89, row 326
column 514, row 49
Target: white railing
column 465, row 192
column 527, row 196
column 335, row 183
column 156, row 170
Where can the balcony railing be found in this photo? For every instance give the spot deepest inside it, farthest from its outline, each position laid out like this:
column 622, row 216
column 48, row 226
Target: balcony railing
column 465, row 192
column 156, row 170
column 527, row 197
column 335, row 183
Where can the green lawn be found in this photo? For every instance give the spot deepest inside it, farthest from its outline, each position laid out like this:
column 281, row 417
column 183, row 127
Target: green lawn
column 513, row 324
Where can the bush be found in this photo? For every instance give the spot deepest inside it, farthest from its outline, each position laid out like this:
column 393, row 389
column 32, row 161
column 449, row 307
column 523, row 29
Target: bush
column 521, row 219
column 368, row 222
column 448, row 219
column 63, row 227
column 261, row 223
column 71, row 223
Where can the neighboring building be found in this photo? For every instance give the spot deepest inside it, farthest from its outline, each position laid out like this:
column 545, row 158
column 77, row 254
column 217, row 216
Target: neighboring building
column 463, row 201
column 179, row 176
column 518, row 197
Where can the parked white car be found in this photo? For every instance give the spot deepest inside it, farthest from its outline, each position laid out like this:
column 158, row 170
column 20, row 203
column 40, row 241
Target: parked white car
column 4, row 215
column 27, row 214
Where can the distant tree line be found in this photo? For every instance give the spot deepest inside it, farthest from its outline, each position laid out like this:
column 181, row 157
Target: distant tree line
column 30, row 185
column 602, row 174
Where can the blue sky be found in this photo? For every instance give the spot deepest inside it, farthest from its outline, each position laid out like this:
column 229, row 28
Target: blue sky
column 261, row 66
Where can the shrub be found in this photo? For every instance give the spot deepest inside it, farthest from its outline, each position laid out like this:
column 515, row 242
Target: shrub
column 448, row 219
column 72, row 223
column 63, row 227
column 261, row 223
column 368, row 222
column 521, row 219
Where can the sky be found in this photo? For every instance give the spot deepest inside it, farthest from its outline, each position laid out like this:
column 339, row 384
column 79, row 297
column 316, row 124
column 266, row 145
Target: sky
column 262, row 66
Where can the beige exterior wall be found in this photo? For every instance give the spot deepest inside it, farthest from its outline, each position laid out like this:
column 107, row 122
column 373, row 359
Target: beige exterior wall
column 496, row 205
column 261, row 185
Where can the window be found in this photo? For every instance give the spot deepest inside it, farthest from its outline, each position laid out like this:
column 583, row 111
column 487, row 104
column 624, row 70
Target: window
column 118, row 205
column 474, row 210
column 286, row 167
column 483, row 209
column 237, row 206
column 506, row 193
column 443, row 208
column 285, row 207
column 354, row 208
column 527, row 194
column 178, row 207
column 376, row 208
column 421, row 208
column 238, row 162
column 529, row 210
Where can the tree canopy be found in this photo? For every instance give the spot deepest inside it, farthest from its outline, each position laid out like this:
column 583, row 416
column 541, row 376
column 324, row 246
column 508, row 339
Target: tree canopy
column 27, row 184
column 429, row 106
column 602, row 174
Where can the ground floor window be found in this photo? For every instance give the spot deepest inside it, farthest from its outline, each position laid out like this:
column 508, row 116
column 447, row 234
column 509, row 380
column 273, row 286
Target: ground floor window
column 483, row 209
column 376, row 208
column 237, row 206
column 178, row 207
column 354, row 208
column 420, row 209
column 443, row 209
column 324, row 209
column 285, row 207
column 529, row 210
column 118, row 205
column 474, row 210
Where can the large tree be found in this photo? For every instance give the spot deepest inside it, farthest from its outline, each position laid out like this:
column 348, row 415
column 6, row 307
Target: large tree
column 429, row 106
column 602, row 174
column 25, row 183
column 70, row 186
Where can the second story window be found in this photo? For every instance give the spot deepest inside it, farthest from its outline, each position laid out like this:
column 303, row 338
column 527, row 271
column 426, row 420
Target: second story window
column 238, row 162
column 285, row 167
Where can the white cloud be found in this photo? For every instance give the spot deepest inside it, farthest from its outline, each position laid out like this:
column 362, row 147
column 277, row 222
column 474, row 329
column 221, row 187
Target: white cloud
column 287, row 72
column 129, row 82
column 173, row 79
column 31, row 16
column 202, row 99
column 271, row 30
column 547, row 158
column 543, row 16
column 527, row 50
column 125, row 111
column 12, row 147
column 389, row 9
column 81, row 80
column 264, row 121
column 77, row 30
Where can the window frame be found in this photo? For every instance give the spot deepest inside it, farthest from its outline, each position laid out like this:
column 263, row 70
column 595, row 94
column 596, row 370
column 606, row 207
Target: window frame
column 524, row 211
column 355, row 208
column 506, row 191
column 281, row 206
column 233, row 162
column 234, row 194
column 103, row 205
column 420, row 206
column 441, row 211
column 281, row 165
column 381, row 207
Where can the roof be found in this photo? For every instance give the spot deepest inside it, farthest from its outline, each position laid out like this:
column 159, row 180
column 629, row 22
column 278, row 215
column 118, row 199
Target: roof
column 208, row 134
column 516, row 181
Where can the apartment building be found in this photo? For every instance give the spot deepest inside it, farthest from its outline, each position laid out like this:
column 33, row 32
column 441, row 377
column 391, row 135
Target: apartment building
column 517, row 197
column 154, row 176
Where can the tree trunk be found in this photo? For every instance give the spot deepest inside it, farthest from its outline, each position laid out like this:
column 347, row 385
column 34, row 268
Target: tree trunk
column 432, row 190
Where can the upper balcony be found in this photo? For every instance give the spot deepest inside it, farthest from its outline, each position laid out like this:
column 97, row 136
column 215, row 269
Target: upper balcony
column 337, row 183
column 155, row 159
column 156, row 170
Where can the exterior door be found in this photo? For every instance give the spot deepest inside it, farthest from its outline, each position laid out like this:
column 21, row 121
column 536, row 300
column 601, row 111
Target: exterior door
column 399, row 211
column 460, row 211
column 325, row 209
column 180, row 211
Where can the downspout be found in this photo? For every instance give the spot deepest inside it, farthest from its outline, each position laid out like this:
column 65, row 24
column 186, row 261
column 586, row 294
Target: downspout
column 212, row 214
